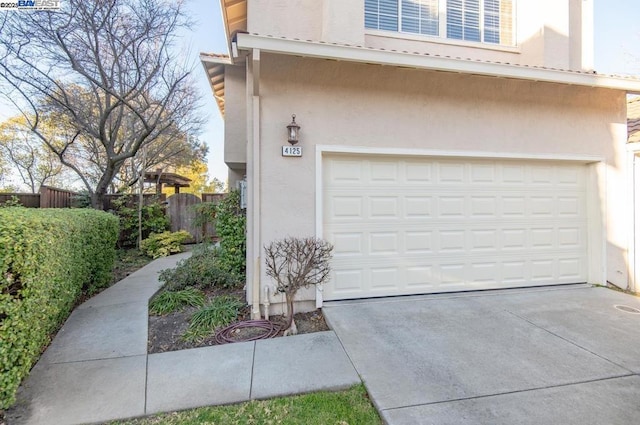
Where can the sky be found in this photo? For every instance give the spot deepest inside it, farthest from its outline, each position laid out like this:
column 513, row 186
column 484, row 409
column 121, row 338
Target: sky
column 617, row 51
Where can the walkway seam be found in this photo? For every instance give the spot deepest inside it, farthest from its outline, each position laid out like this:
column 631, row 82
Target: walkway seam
column 375, row 403
column 609, row 378
column 146, row 382
column 253, row 365
column 96, row 360
column 570, row 342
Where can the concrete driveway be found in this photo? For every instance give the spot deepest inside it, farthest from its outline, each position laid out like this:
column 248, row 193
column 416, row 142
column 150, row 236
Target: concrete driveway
column 561, row 355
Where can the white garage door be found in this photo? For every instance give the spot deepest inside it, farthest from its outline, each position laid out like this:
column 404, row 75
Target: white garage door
column 414, row 226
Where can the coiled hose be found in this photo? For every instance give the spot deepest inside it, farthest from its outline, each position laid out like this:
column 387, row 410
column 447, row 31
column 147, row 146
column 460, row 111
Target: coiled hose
column 270, row 330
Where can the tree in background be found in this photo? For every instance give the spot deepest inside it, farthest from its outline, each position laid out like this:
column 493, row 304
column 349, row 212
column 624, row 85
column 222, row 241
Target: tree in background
column 162, row 154
column 23, row 152
column 106, row 73
column 198, row 172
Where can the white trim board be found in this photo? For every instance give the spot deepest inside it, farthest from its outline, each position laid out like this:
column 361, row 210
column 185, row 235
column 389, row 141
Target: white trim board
column 322, row 50
column 320, row 149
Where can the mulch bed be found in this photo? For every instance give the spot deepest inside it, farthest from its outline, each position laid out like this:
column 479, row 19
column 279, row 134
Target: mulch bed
column 165, row 332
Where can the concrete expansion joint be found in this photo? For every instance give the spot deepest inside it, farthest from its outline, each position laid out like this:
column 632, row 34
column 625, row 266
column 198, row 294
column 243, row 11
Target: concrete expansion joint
column 145, row 301
column 479, row 397
column 93, row 360
column 146, row 383
column 569, row 341
column 253, row 365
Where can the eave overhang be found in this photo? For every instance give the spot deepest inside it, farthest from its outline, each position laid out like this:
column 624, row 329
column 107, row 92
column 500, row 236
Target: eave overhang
column 214, row 66
column 234, row 16
column 348, row 53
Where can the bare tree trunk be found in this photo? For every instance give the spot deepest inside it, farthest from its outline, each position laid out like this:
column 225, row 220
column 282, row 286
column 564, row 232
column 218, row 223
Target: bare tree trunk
column 141, row 195
column 97, row 200
column 291, row 329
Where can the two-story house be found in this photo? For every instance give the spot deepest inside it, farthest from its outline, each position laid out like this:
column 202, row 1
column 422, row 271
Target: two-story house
column 446, row 145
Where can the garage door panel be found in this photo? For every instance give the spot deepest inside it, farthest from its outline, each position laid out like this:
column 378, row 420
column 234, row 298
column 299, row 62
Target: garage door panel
column 402, row 226
column 359, row 205
column 358, row 240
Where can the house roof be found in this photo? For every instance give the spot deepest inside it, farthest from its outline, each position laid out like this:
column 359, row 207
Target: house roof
column 427, row 61
column 171, row 179
column 214, row 65
column 234, row 16
column 633, row 119
column 235, row 21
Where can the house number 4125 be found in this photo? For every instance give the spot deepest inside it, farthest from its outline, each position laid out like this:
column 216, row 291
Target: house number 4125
column 291, row 151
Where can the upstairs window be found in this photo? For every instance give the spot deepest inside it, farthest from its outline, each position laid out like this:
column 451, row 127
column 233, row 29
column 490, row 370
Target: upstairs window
column 485, row 21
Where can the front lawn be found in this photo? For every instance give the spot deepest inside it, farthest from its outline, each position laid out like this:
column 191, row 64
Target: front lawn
column 350, row 407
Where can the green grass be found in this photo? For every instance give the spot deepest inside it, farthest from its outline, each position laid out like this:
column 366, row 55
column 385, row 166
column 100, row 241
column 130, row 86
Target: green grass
column 170, row 301
column 220, row 312
column 350, row 407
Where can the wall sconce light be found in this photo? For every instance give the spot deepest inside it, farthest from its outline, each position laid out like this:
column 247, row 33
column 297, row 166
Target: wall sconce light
column 293, row 130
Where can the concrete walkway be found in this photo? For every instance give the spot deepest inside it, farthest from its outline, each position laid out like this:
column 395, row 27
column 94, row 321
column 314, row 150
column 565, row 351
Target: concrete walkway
column 563, row 355
column 97, row 368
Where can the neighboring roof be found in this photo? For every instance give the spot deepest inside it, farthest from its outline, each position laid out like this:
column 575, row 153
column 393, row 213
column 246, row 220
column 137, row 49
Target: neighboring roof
column 214, row 67
column 633, row 119
column 234, row 16
column 335, row 51
column 171, row 179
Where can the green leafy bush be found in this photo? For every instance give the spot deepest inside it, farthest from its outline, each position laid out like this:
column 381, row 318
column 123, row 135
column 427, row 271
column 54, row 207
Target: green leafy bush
column 201, row 270
column 47, row 258
column 154, row 219
column 14, row 201
column 205, row 215
column 231, row 228
column 220, row 312
column 163, row 244
column 169, row 301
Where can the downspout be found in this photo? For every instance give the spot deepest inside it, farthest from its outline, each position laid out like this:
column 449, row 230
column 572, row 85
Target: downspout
column 254, row 184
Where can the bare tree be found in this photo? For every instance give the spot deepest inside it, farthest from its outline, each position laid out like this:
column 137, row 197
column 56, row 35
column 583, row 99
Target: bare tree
column 107, row 72
column 296, row 263
column 25, row 154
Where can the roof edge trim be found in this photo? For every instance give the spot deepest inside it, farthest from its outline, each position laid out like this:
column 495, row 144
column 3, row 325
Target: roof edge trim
column 428, row 62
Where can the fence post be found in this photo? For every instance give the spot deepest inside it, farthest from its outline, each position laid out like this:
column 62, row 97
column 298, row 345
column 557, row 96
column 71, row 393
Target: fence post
column 44, row 197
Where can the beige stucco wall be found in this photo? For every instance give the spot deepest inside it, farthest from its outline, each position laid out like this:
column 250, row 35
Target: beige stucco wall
column 550, row 33
column 359, row 105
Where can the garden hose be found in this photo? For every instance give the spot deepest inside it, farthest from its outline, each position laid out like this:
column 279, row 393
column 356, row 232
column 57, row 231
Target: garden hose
column 225, row 335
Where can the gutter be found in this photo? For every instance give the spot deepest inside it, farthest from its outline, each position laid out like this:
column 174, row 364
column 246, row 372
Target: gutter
column 359, row 54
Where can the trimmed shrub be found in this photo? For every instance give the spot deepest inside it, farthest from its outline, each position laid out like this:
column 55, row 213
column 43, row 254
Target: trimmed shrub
column 154, row 219
column 47, row 258
column 219, row 312
column 201, row 270
column 168, row 302
column 163, row 244
column 230, row 226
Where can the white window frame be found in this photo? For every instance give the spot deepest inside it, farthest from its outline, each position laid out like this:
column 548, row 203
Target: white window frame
column 442, row 27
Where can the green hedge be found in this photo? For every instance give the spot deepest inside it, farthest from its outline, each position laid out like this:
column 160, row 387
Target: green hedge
column 231, row 228
column 48, row 257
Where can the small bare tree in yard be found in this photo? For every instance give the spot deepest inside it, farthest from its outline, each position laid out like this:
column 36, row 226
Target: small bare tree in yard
column 296, row 263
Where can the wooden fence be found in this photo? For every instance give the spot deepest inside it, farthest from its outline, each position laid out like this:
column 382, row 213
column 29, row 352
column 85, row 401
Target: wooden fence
column 181, row 214
column 213, row 197
column 49, row 197
column 29, row 200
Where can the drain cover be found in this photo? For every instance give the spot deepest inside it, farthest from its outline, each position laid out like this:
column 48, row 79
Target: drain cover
column 627, row 309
